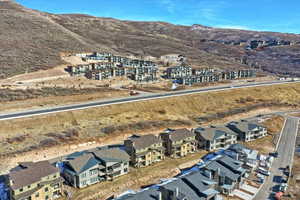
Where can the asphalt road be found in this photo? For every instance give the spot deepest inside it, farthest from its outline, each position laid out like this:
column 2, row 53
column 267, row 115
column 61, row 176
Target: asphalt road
column 285, row 148
column 142, row 97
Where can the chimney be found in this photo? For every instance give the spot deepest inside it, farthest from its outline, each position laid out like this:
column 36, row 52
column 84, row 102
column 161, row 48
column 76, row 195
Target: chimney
column 177, row 191
column 159, row 196
column 218, row 172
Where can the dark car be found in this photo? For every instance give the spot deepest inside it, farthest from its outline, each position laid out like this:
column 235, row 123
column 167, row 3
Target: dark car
column 274, row 154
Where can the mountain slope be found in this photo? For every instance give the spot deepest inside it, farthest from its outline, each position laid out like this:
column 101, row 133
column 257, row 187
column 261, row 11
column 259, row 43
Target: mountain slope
column 31, row 40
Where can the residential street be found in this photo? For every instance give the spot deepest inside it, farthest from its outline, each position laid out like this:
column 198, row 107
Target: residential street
column 285, row 150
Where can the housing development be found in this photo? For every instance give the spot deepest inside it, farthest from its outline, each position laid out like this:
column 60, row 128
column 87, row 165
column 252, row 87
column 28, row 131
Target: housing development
column 161, row 108
column 219, row 173
column 107, row 66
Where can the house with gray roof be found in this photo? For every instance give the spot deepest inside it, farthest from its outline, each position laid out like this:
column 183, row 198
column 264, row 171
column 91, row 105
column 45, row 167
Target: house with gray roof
column 144, row 150
column 248, row 130
column 248, row 156
column 192, row 186
column 227, row 172
column 89, row 167
column 179, row 142
column 215, row 137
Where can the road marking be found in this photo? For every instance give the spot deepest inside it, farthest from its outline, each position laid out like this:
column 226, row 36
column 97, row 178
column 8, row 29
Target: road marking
column 285, row 119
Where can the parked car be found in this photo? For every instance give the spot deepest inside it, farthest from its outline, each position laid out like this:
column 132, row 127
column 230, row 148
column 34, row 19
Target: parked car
column 275, row 154
column 263, row 171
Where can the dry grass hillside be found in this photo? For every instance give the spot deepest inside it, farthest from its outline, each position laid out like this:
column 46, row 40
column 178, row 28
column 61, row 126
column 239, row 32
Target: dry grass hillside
column 148, row 116
column 31, row 40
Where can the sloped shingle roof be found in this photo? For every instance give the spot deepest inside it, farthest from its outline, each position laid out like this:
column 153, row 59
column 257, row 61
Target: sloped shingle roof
column 144, row 141
column 213, row 133
column 32, row 173
column 180, row 134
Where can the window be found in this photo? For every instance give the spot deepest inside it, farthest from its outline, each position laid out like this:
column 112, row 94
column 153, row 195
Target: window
column 37, row 195
column 83, row 175
column 47, row 197
column 83, row 183
column 93, row 172
column 94, row 180
column 46, row 189
column 54, row 176
column 21, row 189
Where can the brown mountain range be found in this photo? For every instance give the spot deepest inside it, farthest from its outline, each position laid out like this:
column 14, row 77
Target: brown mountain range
column 31, row 40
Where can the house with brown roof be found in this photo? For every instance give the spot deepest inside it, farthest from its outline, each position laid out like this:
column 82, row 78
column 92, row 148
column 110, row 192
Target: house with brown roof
column 144, row 150
column 35, row 181
column 179, row 143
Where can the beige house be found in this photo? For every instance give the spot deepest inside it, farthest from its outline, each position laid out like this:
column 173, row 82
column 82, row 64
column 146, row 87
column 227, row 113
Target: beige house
column 35, row 181
column 144, row 150
column 179, row 143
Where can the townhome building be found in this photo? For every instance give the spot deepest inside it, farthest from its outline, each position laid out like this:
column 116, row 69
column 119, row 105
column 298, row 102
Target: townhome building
column 227, row 172
column 248, row 156
column 144, row 73
column 203, row 71
column 215, row 137
column 179, row 143
column 79, row 70
column 144, row 150
column 85, row 168
column 178, row 72
column 99, row 74
column 248, row 130
column 35, row 181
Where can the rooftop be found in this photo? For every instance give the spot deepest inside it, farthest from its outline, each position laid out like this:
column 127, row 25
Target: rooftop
column 30, row 173
column 180, row 134
column 144, row 141
column 213, row 133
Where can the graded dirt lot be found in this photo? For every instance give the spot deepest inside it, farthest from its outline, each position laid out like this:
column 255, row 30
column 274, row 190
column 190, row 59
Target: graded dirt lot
column 15, row 100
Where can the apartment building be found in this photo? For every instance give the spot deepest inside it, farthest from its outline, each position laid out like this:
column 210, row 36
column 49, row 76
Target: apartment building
column 179, row 143
column 35, row 181
column 144, row 150
column 215, row 137
column 85, row 168
column 110, row 66
column 248, row 130
column 178, row 72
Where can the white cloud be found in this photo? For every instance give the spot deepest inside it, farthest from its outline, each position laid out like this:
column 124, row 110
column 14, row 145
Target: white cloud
column 170, row 5
column 233, row 27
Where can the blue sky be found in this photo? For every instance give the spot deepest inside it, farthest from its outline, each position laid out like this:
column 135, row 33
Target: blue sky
column 266, row 15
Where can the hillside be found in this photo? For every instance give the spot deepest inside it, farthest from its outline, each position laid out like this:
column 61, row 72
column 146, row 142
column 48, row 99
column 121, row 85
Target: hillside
column 31, row 40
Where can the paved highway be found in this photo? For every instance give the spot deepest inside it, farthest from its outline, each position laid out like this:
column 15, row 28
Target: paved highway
column 286, row 149
column 143, row 97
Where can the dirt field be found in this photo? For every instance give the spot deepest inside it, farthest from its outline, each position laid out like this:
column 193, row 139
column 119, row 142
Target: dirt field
column 112, row 123
column 55, row 100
